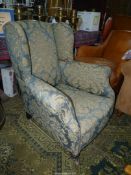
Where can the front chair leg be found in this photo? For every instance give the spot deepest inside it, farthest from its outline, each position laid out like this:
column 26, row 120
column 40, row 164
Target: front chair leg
column 28, row 115
column 76, row 159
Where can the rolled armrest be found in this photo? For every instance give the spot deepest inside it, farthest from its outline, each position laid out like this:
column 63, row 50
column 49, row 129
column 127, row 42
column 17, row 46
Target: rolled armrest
column 54, row 110
column 51, row 98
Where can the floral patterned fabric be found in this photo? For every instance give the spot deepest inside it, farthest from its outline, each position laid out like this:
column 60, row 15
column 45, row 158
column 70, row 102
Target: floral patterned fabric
column 18, row 49
column 72, row 101
column 53, row 110
column 90, row 77
column 43, row 50
column 92, row 111
column 64, row 40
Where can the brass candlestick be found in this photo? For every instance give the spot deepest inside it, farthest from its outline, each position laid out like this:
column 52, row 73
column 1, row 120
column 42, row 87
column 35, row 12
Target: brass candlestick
column 39, row 13
column 19, row 12
column 74, row 19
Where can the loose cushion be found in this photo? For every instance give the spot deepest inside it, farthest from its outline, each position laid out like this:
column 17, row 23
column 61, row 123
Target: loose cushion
column 42, row 50
column 89, row 77
column 64, row 38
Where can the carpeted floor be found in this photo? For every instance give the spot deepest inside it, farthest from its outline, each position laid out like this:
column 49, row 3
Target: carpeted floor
column 26, row 150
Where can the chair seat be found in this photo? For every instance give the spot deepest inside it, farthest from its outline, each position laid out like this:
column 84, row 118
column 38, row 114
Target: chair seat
column 91, row 111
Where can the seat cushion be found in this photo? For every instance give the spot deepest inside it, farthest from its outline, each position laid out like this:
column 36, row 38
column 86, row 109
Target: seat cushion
column 64, row 38
column 42, row 50
column 92, row 111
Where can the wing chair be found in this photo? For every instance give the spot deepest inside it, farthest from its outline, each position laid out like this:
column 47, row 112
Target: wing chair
column 72, row 101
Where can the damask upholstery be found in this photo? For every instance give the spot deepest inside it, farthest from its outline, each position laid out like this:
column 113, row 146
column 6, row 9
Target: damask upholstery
column 73, row 74
column 62, row 33
column 45, row 69
column 72, row 101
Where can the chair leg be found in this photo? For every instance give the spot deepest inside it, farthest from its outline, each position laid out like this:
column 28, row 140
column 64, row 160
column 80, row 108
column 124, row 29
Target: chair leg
column 28, row 115
column 76, row 159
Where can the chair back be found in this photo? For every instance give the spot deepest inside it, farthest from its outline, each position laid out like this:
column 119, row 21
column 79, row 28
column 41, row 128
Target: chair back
column 35, row 48
column 43, row 52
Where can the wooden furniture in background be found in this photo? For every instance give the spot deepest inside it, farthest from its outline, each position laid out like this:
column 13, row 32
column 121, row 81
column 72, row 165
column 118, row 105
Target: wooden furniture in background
column 121, row 22
column 108, row 53
column 123, row 102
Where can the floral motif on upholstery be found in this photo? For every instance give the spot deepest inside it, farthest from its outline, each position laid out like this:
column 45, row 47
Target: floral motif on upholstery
column 92, row 111
column 90, row 77
column 64, row 38
column 72, row 112
column 43, row 50
column 55, row 110
column 18, row 49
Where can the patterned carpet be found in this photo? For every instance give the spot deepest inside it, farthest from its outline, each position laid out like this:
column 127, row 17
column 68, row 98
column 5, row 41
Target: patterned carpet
column 26, row 150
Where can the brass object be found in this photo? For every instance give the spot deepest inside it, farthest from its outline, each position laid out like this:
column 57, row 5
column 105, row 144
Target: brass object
column 29, row 13
column 53, row 7
column 20, row 11
column 39, row 13
column 73, row 19
column 61, row 15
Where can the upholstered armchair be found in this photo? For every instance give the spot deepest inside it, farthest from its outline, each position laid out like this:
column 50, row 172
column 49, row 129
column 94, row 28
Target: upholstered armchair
column 72, row 101
column 110, row 53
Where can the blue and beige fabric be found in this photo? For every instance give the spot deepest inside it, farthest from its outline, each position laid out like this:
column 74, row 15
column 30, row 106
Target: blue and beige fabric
column 72, row 101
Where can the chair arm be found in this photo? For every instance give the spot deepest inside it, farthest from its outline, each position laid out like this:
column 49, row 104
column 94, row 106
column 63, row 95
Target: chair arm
column 89, row 51
column 55, row 111
column 90, row 77
column 51, row 98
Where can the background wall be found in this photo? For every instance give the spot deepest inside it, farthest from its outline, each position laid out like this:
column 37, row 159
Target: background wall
column 121, row 7
column 98, row 5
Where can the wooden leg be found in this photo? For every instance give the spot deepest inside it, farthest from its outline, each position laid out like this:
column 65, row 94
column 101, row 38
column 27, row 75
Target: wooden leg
column 28, row 115
column 76, row 159
column 119, row 113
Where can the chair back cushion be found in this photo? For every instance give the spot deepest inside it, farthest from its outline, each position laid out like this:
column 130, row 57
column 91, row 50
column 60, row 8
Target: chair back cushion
column 64, row 38
column 42, row 50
